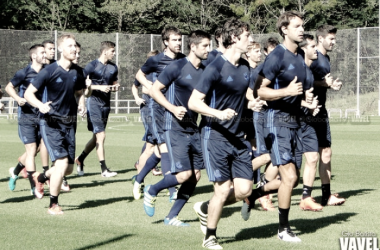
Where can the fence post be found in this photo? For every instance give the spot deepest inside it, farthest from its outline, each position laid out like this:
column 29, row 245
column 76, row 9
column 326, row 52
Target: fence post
column 151, row 42
column 117, row 64
column 358, row 76
column 55, row 44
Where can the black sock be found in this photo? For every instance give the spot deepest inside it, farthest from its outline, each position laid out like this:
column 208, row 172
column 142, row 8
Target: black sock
column 103, row 165
column 306, row 191
column 284, row 218
column 204, row 207
column 53, row 200
column 326, row 192
column 18, row 168
column 82, row 157
column 210, row 232
column 30, row 177
column 258, row 193
column 46, row 168
column 42, row 178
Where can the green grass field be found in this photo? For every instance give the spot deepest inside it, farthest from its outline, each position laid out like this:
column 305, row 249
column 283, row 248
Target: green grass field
column 102, row 214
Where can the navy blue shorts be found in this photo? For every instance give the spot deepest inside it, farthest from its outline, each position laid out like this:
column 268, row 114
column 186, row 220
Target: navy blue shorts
column 59, row 140
column 145, row 117
column 284, row 145
column 226, row 160
column 185, row 151
column 29, row 129
column 261, row 147
column 322, row 127
column 309, row 138
column 156, row 122
column 97, row 116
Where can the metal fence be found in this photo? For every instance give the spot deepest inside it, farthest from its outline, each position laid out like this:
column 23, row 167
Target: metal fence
column 355, row 60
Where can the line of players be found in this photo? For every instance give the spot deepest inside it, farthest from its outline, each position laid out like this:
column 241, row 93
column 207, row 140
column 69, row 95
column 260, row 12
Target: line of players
column 51, row 94
column 252, row 115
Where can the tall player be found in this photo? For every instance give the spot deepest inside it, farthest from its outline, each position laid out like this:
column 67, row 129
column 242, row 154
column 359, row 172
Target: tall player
column 219, row 47
column 62, row 82
column 28, row 116
column 326, row 37
column 181, row 130
column 220, row 98
column 103, row 74
column 280, row 84
column 50, row 51
column 172, row 39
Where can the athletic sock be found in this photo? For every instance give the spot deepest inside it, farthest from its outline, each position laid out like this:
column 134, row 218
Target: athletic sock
column 306, row 191
column 53, row 200
column 283, row 218
column 169, row 180
column 204, row 207
column 42, row 178
column 326, row 192
column 30, row 177
column 152, row 162
column 45, row 168
column 82, row 157
column 143, row 148
column 184, row 194
column 18, row 168
column 259, row 192
column 210, row 232
column 103, row 165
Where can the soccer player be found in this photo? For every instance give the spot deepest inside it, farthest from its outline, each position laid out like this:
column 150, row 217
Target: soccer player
column 280, row 83
column 28, row 117
column 62, row 82
column 1, row 96
column 220, row 98
column 326, row 38
column 172, row 39
column 50, row 51
column 181, row 130
column 103, row 74
column 220, row 48
column 270, row 44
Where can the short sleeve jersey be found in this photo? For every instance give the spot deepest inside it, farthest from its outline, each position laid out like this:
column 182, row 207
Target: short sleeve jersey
column 146, row 97
column 180, row 78
column 101, row 74
column 59, row 87
column 280, row 67
column 225, row 86
column 254, row 74
column 211, row 57
column 22, row 79
column 320, row 68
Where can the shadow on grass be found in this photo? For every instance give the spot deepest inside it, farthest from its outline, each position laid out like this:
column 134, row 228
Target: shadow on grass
column 303, row 226
column 97, row 183
column 98, row 203
column 186, row 221
column 103, row 243
column 206, row 189
column 74, row 176
column 19, row 199
column 347, row 194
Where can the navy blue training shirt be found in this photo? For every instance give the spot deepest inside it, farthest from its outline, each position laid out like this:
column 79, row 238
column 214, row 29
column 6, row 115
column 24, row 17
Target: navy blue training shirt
column 320, row 68
column 180, row 78
column 59, row 87
column 225, row 86
column 308, row 84
column 151, row 77
column 280, row 67
column 22, row 79
column 211, row 57
column 101, row 74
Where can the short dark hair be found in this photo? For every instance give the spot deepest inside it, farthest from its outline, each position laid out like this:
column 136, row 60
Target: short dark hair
column 270, row 42
column 196, row 37
column 78, row 45
column 106, row 45
column 305, row 41
column 218, row 33
column 232, row 27
column 47, row 41
column 152, row 53
column 284, row 20
column 324, row 30
column 34, row 48
column 167, row 31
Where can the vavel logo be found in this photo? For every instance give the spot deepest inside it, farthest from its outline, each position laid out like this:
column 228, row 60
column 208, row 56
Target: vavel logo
column 358, row 241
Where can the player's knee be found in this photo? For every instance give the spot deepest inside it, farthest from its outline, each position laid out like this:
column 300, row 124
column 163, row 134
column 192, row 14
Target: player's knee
column 243, row 192
column 326, row 155
column 312, row 158
column 198, row 175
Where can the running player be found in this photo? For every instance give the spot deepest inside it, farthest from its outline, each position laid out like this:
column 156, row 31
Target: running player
column 172, row 39
column 50, row 51
column 326, row 38
column 62, row 83
column 28, row 121
column 181, row 130
column 220, row 98
column 220, row 48
column 103, row 74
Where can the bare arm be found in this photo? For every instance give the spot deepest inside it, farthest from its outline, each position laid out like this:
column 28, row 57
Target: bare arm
column 32, row 100
column 156, row 94
column 135, row 93
column 141, row 77
column 268, row 94
column 197, row 104
column 12, row 93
